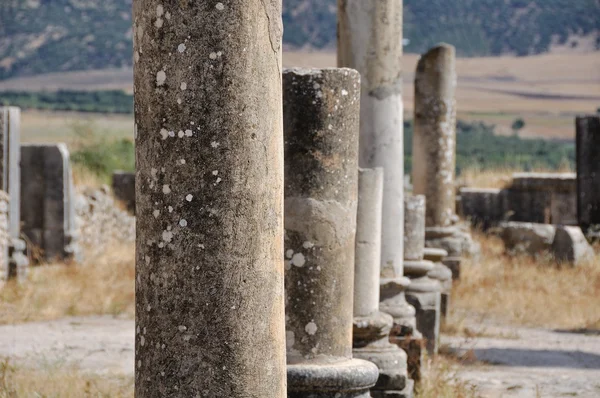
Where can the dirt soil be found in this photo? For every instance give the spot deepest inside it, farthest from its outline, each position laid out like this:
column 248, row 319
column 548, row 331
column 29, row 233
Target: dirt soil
column 508, row 362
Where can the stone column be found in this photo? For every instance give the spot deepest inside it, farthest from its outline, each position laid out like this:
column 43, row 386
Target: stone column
column 434, row 141
column 209, row 199
column 370, row 40
column 320, row 108
column 434, row 150
column 10, row 182
column 371, row 326
column 588, row 174
column 423, row 292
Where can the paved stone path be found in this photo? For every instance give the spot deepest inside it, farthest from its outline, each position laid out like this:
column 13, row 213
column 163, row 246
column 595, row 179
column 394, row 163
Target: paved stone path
column 100, row 344
column 513, row 362
column 528, row 362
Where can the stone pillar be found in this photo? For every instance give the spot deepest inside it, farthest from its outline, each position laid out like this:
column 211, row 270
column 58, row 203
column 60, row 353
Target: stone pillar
column 370, row 40
column 209, row 199
column 588, row 174
column 423, row 292
column 47, row 200
column 371, row 326
column 434, row 150
column 16, row 262
column 321, row 153
column 434, row 141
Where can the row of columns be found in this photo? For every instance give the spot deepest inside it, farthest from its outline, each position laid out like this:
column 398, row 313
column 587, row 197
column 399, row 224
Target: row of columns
column 213, row 281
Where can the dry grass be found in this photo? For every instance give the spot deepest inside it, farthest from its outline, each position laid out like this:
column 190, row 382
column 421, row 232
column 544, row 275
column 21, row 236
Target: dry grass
column 102, row 285
column 84, row 177
column 526, row 291
column 498, row 178
column 440, row 379
column 53, row 380
column 54, row 127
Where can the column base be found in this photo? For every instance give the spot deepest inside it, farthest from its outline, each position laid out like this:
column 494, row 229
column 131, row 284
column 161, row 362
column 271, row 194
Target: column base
column 443, row 274
column 456, row 242
column 407, row 392
column 426, row 298
column 346, row 378
column 371, row 343
column 18, row 263
column 404, row 333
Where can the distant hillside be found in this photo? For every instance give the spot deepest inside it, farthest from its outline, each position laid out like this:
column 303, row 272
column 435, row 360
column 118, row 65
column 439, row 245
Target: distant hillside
column 41, row 36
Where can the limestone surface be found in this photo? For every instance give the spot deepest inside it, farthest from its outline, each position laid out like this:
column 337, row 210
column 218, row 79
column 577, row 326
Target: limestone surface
column 209, row 199
column 370, row 41
column 434, row 141
column 321, row 193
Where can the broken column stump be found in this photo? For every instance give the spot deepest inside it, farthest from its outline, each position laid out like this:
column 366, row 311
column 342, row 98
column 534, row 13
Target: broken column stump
column 434, row 151
column 370, row 337
column 320, row 108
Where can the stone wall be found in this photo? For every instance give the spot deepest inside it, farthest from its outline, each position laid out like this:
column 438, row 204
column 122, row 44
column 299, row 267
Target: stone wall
column 545, row 198
column 100, row 222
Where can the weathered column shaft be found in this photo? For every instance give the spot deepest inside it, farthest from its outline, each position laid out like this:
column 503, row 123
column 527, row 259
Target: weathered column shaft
column 372, row 327
column 434, row 140
column 320, row 108
column 588, row 173
column 209, row 199
column 368, row 242
column 370, row 40
column 16, row 262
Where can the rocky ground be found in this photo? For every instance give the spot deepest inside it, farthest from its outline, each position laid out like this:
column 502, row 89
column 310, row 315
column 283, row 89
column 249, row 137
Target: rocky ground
column 507, row 362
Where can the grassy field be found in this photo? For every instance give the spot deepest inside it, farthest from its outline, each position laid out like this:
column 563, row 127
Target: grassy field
column 547, row 91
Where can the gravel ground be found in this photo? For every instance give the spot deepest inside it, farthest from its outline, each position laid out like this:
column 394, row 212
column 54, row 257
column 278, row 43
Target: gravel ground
column 519, row 362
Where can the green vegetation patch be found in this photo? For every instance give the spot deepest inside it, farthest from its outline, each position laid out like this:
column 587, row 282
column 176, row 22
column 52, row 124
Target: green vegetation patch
column 479, row 147
column 100, row 153
column 110, row 101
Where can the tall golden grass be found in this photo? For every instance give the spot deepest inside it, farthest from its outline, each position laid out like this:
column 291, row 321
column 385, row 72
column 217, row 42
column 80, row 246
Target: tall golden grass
column 500, row 177
column 53, row 380
column 527, row 291
column 102, row 285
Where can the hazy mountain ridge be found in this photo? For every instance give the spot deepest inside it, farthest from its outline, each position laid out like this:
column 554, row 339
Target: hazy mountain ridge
column 41, row 36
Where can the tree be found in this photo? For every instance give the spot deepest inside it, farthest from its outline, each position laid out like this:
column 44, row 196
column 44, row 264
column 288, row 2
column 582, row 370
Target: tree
column 517, row 125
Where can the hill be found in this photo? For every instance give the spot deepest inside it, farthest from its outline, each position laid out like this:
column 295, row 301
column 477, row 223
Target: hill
column 42, row 36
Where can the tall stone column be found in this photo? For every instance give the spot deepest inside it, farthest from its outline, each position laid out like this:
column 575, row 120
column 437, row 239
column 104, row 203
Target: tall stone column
column 320, row 108
column 209, row 199
column 370, row 40
column 15, row 264
column 371, row 326
column 423, row 292
column 588, row 174
column 434, row 150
